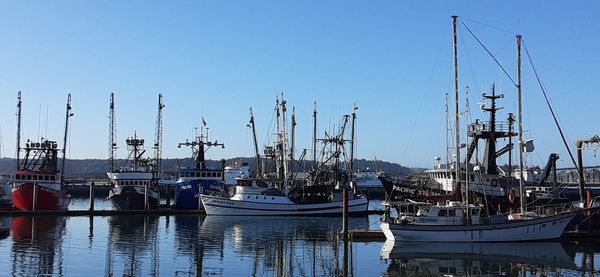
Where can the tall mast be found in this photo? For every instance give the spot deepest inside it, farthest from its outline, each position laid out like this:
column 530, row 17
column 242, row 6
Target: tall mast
column 456, row 114
column 257, row 154
column 278, row 144
column 521, row 158
column 64, row 151
column 284, row 141
column 293, row 139
column 314, row 141
column 447, row 131
column 112, row 133
column 158, row 137
column 19, row 104
column 352, row 142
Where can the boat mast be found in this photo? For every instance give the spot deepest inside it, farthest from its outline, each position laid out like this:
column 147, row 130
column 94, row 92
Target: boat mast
column 64, row 151
column 293, row 139
column 314, row 141
column 19, row 104
column 257, row 154
column 456, row 114
column 112, row 133
column 521, row 188
column 158, row 138
column 284, row 138
column 447, row 131
column 352, row 144
column 278, row 145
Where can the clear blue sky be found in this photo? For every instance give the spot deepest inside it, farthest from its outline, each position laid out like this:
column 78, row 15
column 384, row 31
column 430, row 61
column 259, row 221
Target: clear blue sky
column 217, row 58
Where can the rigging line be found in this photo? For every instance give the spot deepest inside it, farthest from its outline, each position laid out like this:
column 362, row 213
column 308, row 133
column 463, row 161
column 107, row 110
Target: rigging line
column 462, row 38
column 487, row 25
column 490, row 53
column 562, row 135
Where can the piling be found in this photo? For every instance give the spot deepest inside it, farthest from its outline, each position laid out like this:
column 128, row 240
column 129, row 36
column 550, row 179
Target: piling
column 146, row 197
column 345, row 215
column 35, row 197
column 92, row 196
column 167, row 194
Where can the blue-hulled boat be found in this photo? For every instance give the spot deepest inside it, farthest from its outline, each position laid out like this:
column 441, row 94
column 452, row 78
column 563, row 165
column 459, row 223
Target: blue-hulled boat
column 193, row 181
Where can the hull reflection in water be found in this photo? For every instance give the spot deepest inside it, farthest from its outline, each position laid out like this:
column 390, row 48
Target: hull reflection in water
column 131, row 239
column 37, row 245
column 475, row 258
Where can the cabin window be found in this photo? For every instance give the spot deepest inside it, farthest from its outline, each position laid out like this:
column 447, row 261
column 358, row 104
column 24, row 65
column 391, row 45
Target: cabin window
column 28, row 177
column 451, row 213
column 443, row 213
column 475, row 212
column 203, row 174
column 472, row 177
column 52, row 178
column 219, row 174
column 198, row 174
column 261, row 184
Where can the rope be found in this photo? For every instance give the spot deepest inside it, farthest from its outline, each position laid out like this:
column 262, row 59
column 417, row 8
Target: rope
column 490, row 53
column 562, row 135
column 488, row 25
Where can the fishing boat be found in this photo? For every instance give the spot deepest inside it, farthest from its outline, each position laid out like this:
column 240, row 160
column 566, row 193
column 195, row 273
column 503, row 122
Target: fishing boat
column 38, row 182
column 281, row 194
column 465, row 221
column 135, row 184
column 193, row 181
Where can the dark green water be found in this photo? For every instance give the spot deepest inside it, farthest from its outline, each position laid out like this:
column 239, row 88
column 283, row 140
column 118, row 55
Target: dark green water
column 258, row 246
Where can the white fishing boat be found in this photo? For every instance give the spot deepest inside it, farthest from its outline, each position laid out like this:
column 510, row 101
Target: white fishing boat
column 456, row 221
column 283, row 195
column 254, row 197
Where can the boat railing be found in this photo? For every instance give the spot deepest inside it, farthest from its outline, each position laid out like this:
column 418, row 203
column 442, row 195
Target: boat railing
column 485, row 126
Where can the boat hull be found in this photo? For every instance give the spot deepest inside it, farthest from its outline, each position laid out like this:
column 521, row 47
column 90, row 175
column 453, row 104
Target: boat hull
column 187, row 193
column 47, row 198
column 546, row 228
column 214, row 205
column 132, row 198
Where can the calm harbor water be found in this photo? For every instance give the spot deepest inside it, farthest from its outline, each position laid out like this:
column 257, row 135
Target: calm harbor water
column 191, row 245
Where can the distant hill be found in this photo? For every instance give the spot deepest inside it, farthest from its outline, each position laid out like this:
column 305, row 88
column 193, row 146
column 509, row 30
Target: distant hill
column 96, row 168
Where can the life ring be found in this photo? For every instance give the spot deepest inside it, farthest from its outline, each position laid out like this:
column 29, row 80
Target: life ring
column 494, row 182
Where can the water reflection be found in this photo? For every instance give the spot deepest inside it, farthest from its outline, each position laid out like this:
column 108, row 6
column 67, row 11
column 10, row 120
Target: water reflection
column 273, row 245
column 37, row 245
column 537, row 258
column 5, row 223
column 131, row 241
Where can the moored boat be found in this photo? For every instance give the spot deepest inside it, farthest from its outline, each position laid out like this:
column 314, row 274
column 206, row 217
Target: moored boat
column 38, row 182
column 197, row 180
column 281, row 194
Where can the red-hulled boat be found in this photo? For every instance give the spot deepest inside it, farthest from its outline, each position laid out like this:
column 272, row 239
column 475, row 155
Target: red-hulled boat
column 37, row 183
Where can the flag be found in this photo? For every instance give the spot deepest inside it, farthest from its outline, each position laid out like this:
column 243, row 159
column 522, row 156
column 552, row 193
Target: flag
column 203, row 122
